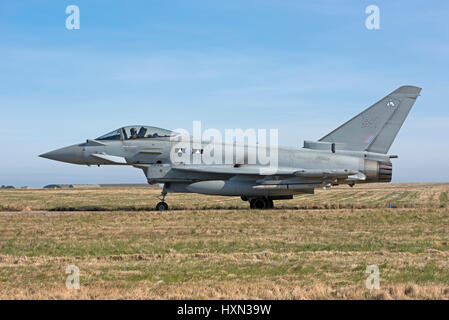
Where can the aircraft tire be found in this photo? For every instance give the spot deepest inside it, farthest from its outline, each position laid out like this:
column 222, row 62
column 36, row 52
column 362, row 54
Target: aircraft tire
column 251, row 204
column 259, row 203
column 270, row 204
column 161, row 206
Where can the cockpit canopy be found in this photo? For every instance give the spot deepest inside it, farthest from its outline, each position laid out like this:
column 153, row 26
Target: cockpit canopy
column 136, row 132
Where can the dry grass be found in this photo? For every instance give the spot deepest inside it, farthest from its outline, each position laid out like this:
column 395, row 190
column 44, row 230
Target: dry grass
column 144, row 199
column 313, row 247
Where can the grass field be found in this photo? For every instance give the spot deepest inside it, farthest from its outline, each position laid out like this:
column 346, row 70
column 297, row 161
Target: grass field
column 313, row 247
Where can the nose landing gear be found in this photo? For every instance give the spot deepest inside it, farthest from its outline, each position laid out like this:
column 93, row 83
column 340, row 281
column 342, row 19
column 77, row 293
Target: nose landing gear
column 162, row 206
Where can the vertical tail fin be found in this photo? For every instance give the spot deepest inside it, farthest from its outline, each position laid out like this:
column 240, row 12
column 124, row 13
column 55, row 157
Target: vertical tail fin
column 375, row 128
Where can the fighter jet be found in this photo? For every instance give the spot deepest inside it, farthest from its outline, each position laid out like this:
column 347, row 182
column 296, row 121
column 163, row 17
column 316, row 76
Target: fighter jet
column 355, row 152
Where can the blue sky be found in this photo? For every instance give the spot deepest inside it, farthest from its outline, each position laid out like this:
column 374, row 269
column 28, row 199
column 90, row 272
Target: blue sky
column 302, row 67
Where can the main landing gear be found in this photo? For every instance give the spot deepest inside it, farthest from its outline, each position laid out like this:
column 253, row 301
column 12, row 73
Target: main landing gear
column 259, row 203
column 162, row 206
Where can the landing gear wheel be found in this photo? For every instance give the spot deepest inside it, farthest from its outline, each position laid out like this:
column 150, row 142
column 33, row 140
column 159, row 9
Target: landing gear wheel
column 270, row 204
column 258, row 203
column 161, row 206
column 251, row 204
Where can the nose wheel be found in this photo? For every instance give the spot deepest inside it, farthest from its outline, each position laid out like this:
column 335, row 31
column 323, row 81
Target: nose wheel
column 162, row 206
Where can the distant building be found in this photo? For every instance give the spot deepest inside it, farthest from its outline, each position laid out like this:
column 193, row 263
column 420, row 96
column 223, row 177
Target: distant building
column 126, row 185
column 7, row 187
column 80, row 186
column 112, row 185
column 58, row 186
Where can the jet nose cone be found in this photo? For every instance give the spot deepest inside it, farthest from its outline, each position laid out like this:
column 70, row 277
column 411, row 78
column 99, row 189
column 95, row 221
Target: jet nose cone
column 46, row 155
column 71, row 154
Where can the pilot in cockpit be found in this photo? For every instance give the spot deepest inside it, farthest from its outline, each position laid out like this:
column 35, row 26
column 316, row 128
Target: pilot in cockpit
column 142, row 132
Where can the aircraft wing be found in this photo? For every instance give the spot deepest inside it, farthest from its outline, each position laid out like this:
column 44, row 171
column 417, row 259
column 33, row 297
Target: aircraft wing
column 261, row 171
column 233, row 170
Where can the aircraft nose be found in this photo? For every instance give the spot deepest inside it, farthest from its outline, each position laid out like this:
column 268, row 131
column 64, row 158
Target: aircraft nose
column 71, row 154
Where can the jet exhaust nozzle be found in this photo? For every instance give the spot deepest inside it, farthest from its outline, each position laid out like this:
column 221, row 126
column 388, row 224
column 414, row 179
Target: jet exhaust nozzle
column 378, row 171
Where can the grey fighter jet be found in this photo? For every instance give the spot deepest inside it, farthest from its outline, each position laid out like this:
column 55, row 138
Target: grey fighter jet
column 355, row 152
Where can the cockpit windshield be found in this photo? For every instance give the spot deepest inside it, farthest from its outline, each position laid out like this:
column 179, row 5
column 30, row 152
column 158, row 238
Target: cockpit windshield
column 114, row 135
column 140, row 132
column 136, row 132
